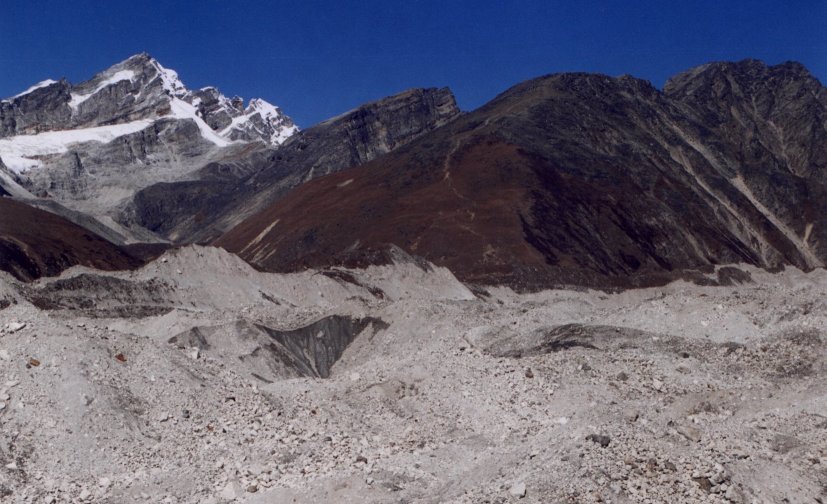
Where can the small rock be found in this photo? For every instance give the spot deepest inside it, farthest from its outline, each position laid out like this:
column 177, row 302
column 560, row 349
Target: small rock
column 361, row 459
column 49, row 499
column 121, row 357
column 11, row 466
column 704, row 483
column 518, row 490
column 13, row 327
column 657, row 385
column 231, row 491
column 4, row 354
column 690, row 433
column 252, row 488
column 600, row 439
column 85, row 494
column 355, row 376
column 33, row 362
column 2, row 406
column 622, row 376
column 529, row 373
column 105, row 482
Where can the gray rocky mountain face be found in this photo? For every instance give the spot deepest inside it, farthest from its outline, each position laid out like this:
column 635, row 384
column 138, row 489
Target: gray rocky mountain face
column 148, row 160
column 91, row 146
column 228, row 191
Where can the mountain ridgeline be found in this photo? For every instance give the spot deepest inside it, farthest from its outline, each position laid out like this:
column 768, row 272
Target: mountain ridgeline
column 580, row 179
column 566, row 180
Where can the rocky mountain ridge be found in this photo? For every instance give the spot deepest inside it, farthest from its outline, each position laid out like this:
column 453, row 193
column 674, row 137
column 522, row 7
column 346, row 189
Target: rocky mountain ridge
column 133, row 153
column 582, row 179
column 140, row 88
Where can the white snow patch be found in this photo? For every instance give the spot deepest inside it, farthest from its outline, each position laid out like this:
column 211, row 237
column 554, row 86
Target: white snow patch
column 170, row 80
column 41, row 84
column 116, row 77
column 20, row 153
column 270, row 114
column 183, row 110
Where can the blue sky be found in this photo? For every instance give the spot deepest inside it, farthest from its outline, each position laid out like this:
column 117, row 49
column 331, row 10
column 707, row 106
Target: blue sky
column 316, row 59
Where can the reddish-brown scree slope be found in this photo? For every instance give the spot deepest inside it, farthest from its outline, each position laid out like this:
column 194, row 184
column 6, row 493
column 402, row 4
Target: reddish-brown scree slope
column 35, row 243
column 582, row 180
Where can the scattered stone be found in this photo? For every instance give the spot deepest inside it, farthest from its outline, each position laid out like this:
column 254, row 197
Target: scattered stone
column 690, row 433
column 13, row 327
column 529, row 373
column 121, row 357
column 252, row 488
column 33, row 362
column 600, row 439
column 704, row 483
column 231, row 491
column 518, row 489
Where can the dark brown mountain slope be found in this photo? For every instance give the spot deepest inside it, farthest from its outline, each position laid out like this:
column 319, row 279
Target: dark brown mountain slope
column 35, row 243
column 228, row 192
column 581, row 179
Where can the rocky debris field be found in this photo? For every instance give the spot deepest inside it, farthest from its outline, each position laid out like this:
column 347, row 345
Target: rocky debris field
column 200, row 380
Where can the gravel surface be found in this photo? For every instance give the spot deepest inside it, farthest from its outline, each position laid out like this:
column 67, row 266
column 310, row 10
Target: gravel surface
column 176, row 384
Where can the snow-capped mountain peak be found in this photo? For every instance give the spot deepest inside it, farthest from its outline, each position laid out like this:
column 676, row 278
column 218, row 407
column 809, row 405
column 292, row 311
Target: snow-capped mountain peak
column 139, row 89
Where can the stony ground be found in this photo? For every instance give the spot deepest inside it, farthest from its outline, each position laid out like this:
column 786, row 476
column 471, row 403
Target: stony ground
column 674, row 394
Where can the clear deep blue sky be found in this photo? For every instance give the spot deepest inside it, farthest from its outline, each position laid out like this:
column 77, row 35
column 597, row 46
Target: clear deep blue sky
column 316, row 59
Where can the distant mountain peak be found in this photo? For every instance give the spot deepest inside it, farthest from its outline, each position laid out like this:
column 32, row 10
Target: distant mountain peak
column 140, row 88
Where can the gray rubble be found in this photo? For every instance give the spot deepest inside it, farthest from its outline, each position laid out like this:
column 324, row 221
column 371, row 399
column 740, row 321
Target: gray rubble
column 160, row 386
